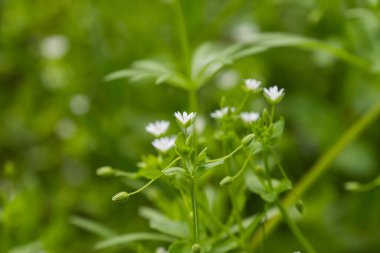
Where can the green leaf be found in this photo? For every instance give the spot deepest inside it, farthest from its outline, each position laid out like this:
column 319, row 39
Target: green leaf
column 174, row 171
column 282, row 185
column 180, row 247
column 151, row 70
column 277, row 130
column 132, row 237
column 209, row 59
column 160, row 222
column 255, row 185
column 255, row 147
column 224, row 246
column 150, row 173
column 91, row 226
column 204, row 167
column 29, row 248
column 266, row 41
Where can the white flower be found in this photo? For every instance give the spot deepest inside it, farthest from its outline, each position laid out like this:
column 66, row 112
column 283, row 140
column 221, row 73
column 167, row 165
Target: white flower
column 161, row 250
column 185, row 119
column 218, row 114
column 249, row 117
column 164, row 144
column 157, row 128
column 252, row 84
column 54, row 47
column 273, row 94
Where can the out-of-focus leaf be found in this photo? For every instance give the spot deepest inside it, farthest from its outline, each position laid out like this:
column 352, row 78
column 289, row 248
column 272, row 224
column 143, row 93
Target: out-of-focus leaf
column 132, row 237
column 266, row 41
column 209, row 59
column 277, row 130
column 29, row 248
column 224, row 246
column 180, row 247
column 201, row 169
column 163, row 224
column 174, row 171
column 91, row 226
column 151, row 70
column 150, row 173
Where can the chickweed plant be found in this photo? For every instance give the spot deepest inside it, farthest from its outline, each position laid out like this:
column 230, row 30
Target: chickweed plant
column 214, row 189
column 248, row 165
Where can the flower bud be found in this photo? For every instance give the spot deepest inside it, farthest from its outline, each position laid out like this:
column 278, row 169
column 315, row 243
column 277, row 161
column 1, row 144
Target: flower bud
column 352, row 186
column 105, row 171
column 247, row 139
column 121, row 197
column 196, row 248
column 226, row 181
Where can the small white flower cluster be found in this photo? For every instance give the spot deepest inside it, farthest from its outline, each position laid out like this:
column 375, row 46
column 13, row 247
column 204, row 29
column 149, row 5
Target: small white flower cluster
column 273, row 94
column 160, row 127
column 157, row 129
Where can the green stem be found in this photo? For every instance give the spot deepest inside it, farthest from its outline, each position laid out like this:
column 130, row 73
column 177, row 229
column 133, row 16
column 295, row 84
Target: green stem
column 243, row 102
column 242, row 169
column 151, row 181
column 282, row 171
column 323, row 164
column 224, row 228
column 193, row 192
column 295, row 229
column 272, row 113
column 235, row 209
column 193, row 100
column 226, row 156
column 267, row 169
column 183, row 36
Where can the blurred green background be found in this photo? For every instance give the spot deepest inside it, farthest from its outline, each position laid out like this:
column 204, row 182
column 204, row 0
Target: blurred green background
column 60, row 120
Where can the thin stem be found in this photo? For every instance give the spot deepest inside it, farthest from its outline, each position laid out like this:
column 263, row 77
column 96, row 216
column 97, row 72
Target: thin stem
column 221, row 225
column 242, row 169
column 272, row 113
column 282, row 171
column 226, row 156
column 183, row 36
column 323, row 164
column 243, row 102
column 151, row 181
column 193, row 192
column 267, row 169
column 295, row 229
column 193, row 100
column 142, row 188
column 235, row 209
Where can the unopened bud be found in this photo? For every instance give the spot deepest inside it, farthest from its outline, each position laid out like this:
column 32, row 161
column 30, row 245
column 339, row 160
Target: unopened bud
column 105, row 171
column 226, row 181
column 121, row 197
column 352, row 186
column 247, row 139
column 196, row 248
